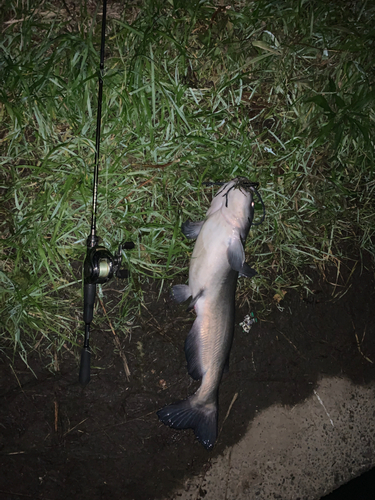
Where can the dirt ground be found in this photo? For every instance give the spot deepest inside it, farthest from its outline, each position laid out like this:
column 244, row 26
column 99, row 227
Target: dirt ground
column 59, row 440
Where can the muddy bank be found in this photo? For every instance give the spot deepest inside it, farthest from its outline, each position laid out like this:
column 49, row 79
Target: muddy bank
column 59, row 440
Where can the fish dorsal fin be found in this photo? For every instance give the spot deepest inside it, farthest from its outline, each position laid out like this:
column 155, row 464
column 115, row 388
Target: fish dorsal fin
column 191, row 229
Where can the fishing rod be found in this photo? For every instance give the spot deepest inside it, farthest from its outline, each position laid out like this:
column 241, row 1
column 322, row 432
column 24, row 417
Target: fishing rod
column 99, row 265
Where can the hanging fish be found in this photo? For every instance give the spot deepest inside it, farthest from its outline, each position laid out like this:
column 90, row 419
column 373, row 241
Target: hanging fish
column 217, row 259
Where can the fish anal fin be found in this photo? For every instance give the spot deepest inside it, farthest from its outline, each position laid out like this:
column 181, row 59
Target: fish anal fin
column 191, row 229
column 192, row 352
column 190, row 414
column 180, row 293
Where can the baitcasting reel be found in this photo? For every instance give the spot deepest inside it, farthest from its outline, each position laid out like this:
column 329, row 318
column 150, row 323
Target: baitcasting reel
column 99, row 267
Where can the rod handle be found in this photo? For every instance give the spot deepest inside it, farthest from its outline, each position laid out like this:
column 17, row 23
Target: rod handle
column 89, row 292
column 84, row 369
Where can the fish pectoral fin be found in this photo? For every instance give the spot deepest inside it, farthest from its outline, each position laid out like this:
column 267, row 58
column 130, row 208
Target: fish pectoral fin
column 191, row 229
column 180, row 293
column 236, row 255
column 194, row 366
column 236, row 259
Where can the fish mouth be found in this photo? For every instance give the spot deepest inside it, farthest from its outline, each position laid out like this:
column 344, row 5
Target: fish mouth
column 241, row 183
column 245, row 186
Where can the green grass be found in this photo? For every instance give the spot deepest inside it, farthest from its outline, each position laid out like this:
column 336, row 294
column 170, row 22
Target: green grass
column 281, row 92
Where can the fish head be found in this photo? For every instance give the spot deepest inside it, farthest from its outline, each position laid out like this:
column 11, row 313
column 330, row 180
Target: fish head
column 236, row 202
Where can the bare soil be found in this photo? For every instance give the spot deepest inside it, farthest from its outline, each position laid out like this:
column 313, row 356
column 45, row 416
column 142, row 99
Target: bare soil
column 59, row 440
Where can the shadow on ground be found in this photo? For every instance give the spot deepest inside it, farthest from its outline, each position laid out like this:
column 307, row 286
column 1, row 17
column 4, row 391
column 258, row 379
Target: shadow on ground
column 61, row 441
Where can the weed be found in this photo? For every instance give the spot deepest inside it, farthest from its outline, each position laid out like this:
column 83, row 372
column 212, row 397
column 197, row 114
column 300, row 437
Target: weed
column 281, row 92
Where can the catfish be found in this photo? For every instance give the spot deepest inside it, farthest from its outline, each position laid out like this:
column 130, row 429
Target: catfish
column 217, row 260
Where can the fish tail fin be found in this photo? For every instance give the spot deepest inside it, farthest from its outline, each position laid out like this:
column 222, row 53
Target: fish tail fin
column 189, row 414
